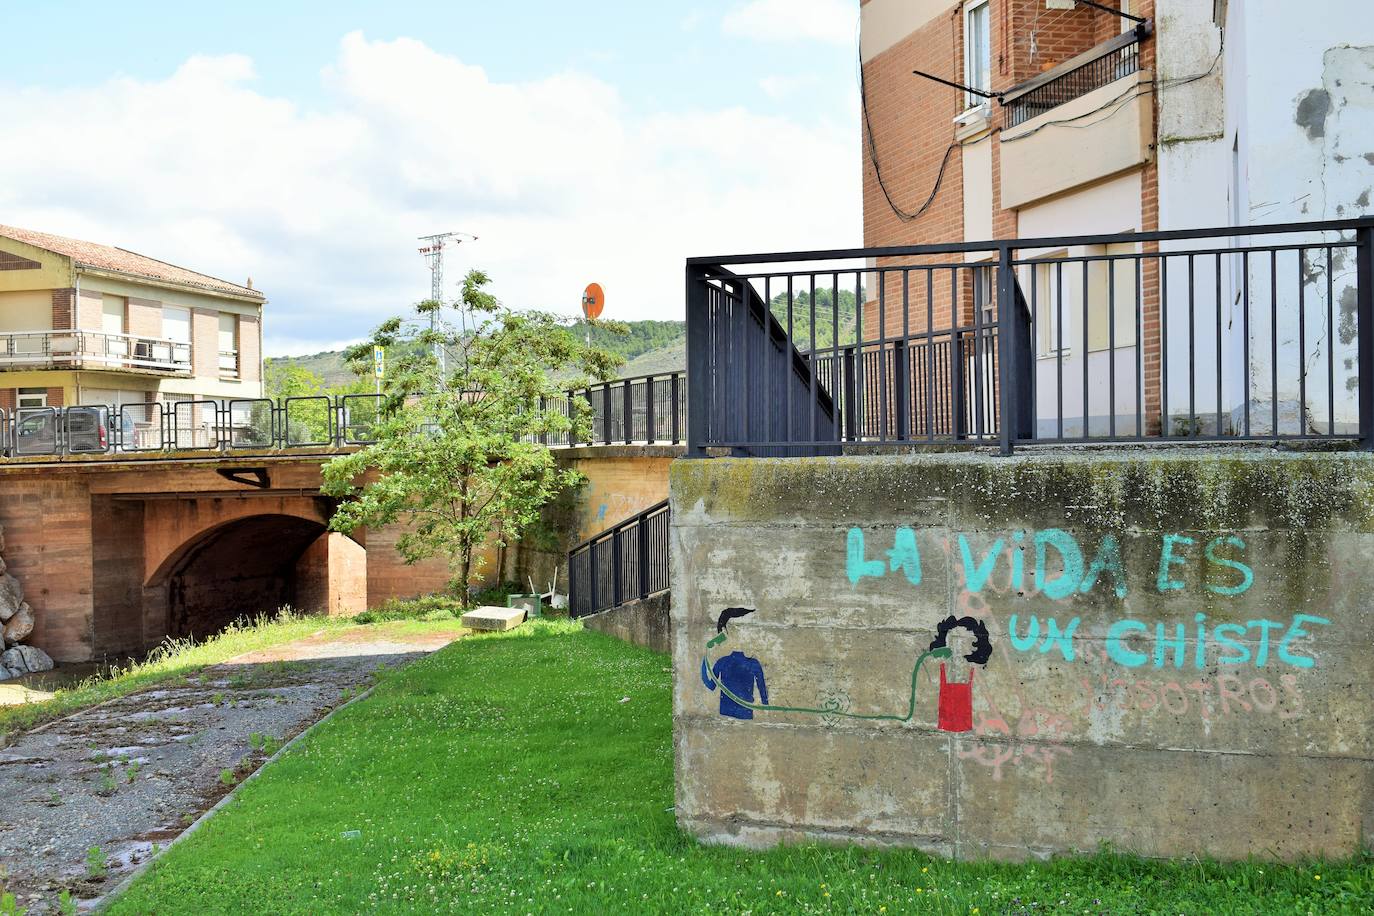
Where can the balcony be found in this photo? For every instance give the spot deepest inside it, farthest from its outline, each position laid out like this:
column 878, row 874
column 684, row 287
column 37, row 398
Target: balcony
column 21, row 350
column 1086, row 119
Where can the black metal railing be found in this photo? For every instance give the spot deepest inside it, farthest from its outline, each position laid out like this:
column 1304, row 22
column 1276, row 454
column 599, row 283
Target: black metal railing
column 638, row 410
column 1236, row 333
column 644, row 410
column 1110, row 61
column 625, row 562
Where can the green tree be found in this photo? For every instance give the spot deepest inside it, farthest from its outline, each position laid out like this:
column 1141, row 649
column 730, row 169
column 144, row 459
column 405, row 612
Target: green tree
column 457, row 459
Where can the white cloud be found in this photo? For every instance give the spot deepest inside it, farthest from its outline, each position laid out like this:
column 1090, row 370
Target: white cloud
column 830, row 21
column 322, row 207
column 778, row 86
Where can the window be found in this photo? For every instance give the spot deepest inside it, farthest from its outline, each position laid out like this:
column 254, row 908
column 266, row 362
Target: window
column 977, row 49
column 176, row 324
column 1111, row 300
column 32, row 397
column 1048, row 311
column 112, row 310
column 1111, row 304
column 983, row 296
column 229, row 344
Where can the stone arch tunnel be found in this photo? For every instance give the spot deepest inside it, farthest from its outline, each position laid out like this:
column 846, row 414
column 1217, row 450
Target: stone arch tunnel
column 262, row 561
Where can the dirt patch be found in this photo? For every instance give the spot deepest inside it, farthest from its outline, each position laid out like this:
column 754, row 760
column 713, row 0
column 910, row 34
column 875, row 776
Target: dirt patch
column 134, row 772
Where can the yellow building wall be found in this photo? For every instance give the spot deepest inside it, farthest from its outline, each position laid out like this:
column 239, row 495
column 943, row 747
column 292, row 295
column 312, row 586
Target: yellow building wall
column 55, row 273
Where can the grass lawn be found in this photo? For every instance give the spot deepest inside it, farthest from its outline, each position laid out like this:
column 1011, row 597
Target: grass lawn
column 178, row 658
column 508, row 773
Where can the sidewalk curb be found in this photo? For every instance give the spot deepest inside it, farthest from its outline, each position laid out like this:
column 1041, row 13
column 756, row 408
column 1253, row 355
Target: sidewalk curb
column 105, row 900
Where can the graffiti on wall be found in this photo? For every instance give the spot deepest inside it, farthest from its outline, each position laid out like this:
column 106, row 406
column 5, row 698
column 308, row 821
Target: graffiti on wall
column 961, row 645
column 1188, row 666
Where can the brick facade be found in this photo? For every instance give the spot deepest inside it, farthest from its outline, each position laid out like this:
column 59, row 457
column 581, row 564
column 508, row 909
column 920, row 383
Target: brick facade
column 910, row 131
column 63, row 302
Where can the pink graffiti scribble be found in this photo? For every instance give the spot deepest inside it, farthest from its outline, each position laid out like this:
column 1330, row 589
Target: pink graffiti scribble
column 1036, row 738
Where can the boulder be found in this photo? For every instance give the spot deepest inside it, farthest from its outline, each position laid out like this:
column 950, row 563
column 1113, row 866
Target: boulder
column 6, row 674
column 19, row 625
column 35, row 659
column 13, row 659
column 11, row 596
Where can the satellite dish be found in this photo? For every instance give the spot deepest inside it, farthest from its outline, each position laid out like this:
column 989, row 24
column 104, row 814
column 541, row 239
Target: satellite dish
column 593, row 301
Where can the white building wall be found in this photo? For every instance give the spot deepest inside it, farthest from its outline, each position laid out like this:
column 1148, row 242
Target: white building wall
column 1280, row 130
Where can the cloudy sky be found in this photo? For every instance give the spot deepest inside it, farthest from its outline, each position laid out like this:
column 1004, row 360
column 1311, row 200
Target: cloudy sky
column 307, row 144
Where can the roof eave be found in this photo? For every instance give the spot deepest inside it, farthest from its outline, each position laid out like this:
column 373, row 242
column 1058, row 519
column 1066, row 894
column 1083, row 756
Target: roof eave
column 245, row 295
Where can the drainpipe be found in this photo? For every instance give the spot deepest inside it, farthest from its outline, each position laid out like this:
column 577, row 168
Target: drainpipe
column 76, row 304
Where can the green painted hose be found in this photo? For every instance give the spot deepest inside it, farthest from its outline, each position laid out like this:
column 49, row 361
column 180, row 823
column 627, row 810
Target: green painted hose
column 942, row 652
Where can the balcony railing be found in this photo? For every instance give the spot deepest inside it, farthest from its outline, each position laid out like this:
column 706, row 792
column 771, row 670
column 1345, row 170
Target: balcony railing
column 1108, row 62
column 92, row 350
column 229, row 363
column 1256, row 333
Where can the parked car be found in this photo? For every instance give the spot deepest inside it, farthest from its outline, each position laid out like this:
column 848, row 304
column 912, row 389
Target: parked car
column 68, row 430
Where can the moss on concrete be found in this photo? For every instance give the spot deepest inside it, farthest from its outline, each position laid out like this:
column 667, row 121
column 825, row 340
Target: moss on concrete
column 1193, row 490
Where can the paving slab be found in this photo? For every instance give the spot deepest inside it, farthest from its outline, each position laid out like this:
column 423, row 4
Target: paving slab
column 490, row 617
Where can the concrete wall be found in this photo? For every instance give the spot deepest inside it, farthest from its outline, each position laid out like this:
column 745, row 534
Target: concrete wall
column 1176, row 658
column 331, row 577
column 644, row 623
column 621, row 481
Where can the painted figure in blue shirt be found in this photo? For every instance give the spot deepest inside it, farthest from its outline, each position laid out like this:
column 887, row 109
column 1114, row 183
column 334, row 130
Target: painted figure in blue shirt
column 737, row 673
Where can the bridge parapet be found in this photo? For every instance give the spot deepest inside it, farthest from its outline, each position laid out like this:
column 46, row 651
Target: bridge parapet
column 646, row 410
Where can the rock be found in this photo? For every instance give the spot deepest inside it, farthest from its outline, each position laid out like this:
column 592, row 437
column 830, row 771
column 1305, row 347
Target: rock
column 11, row 596
column 2, row 538
column 6, row 674
column 19, row 625
column 35, row 659
column 13, row 660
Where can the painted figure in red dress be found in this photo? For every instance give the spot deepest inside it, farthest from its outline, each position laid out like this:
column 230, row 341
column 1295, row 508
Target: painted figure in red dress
column 970, row 648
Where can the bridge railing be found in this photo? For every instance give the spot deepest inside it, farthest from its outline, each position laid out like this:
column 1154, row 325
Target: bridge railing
column 638, row 410
column 1238, row 333
column 625, row 562
column 643, row 410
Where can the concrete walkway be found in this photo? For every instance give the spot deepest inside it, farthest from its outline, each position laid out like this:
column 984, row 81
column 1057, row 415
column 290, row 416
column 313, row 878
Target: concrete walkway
column 137, row 770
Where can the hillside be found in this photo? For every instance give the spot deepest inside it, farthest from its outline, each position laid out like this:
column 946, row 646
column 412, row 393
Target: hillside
column 649, row 347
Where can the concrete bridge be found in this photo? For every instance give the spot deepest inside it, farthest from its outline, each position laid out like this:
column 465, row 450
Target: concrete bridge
column 116, row 552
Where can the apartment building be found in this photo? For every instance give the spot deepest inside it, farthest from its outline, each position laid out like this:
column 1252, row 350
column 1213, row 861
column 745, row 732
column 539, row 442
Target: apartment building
column 1056, row 118
column 85, row 323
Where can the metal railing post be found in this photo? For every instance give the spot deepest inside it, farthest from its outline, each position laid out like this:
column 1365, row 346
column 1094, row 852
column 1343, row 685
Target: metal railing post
column 617, row 598
column 851, row 395
column 572, row 433
column 629, row 412
column 1364, row 323
column 676, row 394
column 593, row 575
column 956, row 384
column 1009, row 331
column 902, row 395
column 606, row 412
column 700, row 383
column 642, row 545
column 649, row 410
